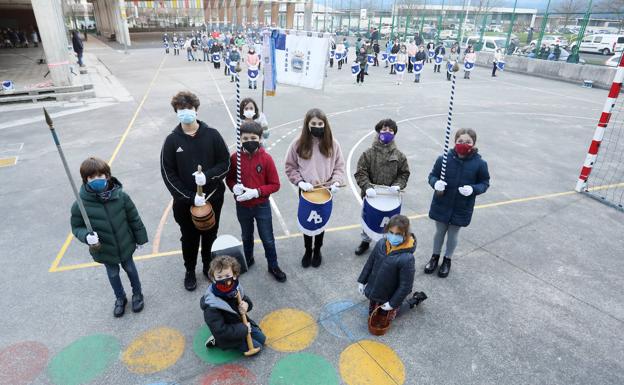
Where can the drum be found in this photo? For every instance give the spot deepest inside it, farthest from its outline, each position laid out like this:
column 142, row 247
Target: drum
column 370, row 59
column 216, row 57
column 431, row 54
column 418, row 66
column 339, row 56
column 355, row 69
column 314, row 210
column 331, row 54
column 438, row 59
column 468, row 66
column 203, row 217
column 252, row 72
column 399, row 67
column 384, row 56
column 233, row 65
column 392, row 59
column 501, row 65
column 377, row 211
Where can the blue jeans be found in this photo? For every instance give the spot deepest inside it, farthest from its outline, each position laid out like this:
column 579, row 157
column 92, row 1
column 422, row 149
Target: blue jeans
column 189, row 55
column 258, row 338
column 262, row 214
column 112, row 270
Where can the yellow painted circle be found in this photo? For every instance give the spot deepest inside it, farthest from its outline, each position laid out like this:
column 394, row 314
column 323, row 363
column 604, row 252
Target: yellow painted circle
column 289, row 330
column 371, row 363
column 153, row 351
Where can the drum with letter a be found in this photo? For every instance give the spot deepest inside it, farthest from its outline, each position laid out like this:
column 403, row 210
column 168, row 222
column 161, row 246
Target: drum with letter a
column 315, row 208
column 377, row 211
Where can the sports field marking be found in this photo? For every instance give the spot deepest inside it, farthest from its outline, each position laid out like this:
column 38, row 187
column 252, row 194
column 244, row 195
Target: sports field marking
column 61, row 253
column 7, row 162
column 161, row 225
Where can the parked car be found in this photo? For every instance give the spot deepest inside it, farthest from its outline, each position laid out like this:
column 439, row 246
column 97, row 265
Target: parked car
column 490, row 43
column 605, row 44
column 553, row 40
column 448, row 34
column 613, row 61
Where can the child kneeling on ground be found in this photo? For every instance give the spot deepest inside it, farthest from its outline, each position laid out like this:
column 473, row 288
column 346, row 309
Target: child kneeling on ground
column 223, row 313
column 387, row 278
column 117, row 227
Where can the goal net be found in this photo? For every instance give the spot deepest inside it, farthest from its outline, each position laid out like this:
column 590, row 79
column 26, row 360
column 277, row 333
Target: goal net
column 602, row 175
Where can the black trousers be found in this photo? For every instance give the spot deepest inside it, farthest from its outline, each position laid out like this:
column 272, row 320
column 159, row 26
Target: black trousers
column 494, row 70
column 360, row 76
column 410, row 66
column 318, row 241
column 376, row 63
column 191, row 237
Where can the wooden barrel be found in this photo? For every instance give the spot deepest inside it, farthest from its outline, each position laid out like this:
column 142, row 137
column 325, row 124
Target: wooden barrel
column 203, row 217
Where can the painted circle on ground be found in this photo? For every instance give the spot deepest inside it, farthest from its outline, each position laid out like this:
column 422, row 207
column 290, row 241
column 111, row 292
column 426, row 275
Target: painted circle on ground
column 22, row 362
column 213, row 355
column 345, row 320
column 303, row 369
column 370, row 362
column 229, row 375
column 153, row 351
column 163, row 383
column 289, row 330
column 83, row 360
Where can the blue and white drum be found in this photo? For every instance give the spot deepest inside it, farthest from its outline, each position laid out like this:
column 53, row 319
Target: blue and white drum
column 355, row 69
column 252, row 72
column 384, row 56
column 232, row 66
column 449, row 67
column 392, row 59
column 315, row 208
column 500, row 65
column 370, row 59
column 339, row 56
column 431, row 54
column 332, row 53
column 400, row 67
column 377, row 211
column 216, row 58
column 438, row 59
column 468, row 66
column 418, row 66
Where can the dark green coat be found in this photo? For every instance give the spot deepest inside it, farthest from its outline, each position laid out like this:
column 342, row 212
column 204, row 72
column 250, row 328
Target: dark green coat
column 117, row 223
column 382, row 164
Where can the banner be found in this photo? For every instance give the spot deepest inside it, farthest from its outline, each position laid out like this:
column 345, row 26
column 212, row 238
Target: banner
column 301, row 60
column 268, row 54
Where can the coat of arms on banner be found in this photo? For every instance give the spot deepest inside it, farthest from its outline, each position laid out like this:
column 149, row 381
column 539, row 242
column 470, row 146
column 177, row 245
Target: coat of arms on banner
column 297, row 62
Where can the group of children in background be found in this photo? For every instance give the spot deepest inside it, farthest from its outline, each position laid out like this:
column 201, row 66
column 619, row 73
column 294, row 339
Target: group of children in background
column 314, row 158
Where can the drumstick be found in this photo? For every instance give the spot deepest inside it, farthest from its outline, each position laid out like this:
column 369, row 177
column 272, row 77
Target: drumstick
column 386, row 188
column 251, row 349
column 325, row 188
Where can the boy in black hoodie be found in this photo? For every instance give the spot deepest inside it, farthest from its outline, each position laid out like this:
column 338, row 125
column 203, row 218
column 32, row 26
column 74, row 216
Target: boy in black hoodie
column 223, row 313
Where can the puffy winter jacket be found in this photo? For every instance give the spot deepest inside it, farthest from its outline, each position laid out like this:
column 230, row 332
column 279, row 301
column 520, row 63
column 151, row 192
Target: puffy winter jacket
column 116, row 221
column 389, row 272
column 382, row 164
column 452, row 207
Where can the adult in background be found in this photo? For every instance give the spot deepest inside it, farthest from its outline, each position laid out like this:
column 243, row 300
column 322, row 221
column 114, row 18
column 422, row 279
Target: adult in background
column 78, row 47
column 418, row 39
column 192, row 143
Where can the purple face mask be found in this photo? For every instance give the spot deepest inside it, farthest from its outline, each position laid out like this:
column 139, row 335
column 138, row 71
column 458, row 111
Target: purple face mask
column 386, row 137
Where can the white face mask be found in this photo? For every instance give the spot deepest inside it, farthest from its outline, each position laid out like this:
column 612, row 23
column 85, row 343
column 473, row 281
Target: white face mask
column 249, row 114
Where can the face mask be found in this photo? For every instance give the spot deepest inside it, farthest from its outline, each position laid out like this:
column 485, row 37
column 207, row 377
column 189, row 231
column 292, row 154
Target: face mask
column 463, row 149
column 249, row 114
column 251, row 146
column 187, row 116
column 226, row 286
column 394, row 239
column 317, row 132
column 98, row 185
column 386, row 137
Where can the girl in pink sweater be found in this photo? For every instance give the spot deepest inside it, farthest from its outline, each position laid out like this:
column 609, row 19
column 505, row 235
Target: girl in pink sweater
column 314, row 159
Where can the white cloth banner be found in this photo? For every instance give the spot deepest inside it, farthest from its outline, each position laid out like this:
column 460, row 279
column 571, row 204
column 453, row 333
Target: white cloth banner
column 301, row 61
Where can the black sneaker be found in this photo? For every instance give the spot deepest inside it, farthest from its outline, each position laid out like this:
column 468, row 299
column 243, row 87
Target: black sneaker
column 317, row 257
column 361, row 249
column 210, row 342
column 307, row 257
column 190, row 281
column 416, row 299
column 279, row 275
column 445, row 268
column 137, row 302
column 120, row 307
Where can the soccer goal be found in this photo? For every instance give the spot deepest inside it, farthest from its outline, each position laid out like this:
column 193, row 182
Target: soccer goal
column 602, row 175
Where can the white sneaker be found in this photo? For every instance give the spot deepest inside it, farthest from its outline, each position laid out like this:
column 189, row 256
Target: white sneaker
column 210, row 342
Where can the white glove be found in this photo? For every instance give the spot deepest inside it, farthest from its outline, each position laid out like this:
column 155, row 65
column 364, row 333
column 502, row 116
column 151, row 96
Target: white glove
column 371, row 193
column 200, row 178
column 465, row 190
column 139, row 247
column 439, row 185
column 334, row 187
column 305, row 186
column 249, row 193
column 238, row 189
column 200, row 200
column 93, row 239
column 361, row 287
column 386, row 306
column 395, row 189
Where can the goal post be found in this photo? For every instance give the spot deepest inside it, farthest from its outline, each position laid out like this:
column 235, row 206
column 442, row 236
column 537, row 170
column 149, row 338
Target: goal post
column 604, row 161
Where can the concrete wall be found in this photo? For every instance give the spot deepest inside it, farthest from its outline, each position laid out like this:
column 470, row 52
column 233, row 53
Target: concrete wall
column 602, row 76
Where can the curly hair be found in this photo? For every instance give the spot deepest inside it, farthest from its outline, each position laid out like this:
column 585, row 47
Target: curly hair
column 184, row 100
column 223, row 262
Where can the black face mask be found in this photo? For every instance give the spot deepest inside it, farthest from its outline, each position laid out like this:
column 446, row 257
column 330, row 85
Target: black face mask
column 317, row 132
column 251, row 146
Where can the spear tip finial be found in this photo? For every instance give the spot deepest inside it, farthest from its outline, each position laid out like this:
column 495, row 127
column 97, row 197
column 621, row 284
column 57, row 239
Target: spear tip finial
column 47, row 118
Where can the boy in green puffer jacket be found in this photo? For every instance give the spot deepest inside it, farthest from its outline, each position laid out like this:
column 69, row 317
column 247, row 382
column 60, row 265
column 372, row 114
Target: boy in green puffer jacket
column 117, row 226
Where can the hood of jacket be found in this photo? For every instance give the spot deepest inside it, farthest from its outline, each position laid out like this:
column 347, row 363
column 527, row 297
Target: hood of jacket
column 408, row 246
column 213, row 301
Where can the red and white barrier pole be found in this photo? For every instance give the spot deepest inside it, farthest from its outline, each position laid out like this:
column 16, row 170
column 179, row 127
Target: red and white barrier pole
column 592, row 153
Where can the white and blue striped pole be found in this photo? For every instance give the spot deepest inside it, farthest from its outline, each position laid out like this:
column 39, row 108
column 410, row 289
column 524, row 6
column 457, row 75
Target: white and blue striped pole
column 449, row 120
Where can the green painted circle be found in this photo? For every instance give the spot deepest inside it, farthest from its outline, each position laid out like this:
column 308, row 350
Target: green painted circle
column 303, row 369
column 83, row 360
column 213, row 355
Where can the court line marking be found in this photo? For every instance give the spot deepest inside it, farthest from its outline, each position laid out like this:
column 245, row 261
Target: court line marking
column 357, row 226
column 161, row 225
column 70, row 236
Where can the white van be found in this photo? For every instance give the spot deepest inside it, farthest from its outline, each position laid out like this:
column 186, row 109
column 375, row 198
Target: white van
column 490, row 43
column 605, row 44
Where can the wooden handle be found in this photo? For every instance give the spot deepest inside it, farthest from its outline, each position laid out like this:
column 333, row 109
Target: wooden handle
column 200, row 189
column 250, row 346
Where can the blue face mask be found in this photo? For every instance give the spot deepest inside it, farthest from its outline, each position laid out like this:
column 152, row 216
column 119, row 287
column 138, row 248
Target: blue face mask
column 187, row 116
column 98, row 185
column 394, row 239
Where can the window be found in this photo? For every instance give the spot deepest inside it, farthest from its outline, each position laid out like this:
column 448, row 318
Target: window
column 597, row 39
column 588, row 39
column 620, row 40
column 490, row 45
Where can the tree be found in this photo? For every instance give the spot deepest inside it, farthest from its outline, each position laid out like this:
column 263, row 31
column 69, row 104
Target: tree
column 568, row 8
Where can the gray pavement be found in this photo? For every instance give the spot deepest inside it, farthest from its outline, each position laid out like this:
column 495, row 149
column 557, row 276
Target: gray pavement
column 534, row 295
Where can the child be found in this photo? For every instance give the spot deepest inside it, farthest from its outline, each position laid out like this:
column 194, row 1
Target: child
column 388, row 275
column 453, row 201
column 117, row 226
column 381, row 164
column 253, row 60
column 314, row 159
column 223, row 313
column 259, row 180
column 249, row 112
